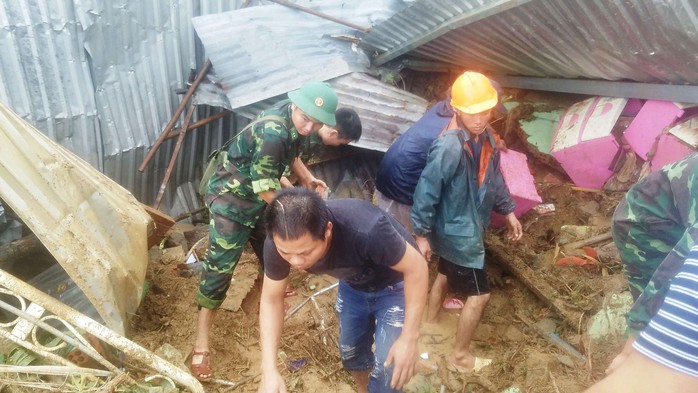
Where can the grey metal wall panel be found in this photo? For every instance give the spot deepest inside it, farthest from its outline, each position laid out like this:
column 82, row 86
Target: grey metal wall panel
column 99, row 78
column 385, row 111
column 262, row 52
column 641, row 40
column 43, row 73
column 140, row 52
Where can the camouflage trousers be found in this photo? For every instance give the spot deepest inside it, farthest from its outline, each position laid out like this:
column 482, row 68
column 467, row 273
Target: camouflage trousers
column 650, row 260
column 228, row 239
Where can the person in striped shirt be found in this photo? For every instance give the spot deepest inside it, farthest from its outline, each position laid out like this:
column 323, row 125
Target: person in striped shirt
column 664, row 357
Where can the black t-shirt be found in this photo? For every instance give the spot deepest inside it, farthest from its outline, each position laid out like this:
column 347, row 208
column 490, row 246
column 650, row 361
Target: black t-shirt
column 366, row 242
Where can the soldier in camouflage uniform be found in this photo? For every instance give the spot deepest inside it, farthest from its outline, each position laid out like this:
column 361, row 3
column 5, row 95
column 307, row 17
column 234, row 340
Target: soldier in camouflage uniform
column 314, row 146
column 241, row 188
column 654, row 228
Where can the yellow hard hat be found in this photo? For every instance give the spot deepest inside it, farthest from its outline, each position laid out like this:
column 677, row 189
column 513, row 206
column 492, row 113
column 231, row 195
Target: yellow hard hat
column 472, row 93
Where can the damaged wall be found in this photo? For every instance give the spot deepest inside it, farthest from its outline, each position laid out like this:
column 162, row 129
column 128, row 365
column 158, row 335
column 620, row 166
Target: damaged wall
column 99, row 78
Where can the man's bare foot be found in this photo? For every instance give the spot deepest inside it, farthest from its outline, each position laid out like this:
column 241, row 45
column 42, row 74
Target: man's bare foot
column 471, row 364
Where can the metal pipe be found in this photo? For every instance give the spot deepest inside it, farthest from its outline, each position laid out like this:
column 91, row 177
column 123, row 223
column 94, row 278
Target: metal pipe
column 321, row 15
column 53, row 370
column 301, row 304
column 40, row 351
column 70, row 340
column 651, row 91
column 128, row 347
column 175, row 116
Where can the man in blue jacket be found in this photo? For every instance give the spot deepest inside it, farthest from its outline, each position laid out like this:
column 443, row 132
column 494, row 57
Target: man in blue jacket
column 404, row 161
column 459, row 187
column 401, row 166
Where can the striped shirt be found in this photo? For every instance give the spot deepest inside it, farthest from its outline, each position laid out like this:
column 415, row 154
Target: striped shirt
column 671, row 338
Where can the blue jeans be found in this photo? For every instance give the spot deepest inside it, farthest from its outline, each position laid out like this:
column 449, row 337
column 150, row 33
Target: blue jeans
column 363, row 315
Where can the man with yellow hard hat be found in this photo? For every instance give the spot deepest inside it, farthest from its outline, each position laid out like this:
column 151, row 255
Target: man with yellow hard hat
column 457, row 190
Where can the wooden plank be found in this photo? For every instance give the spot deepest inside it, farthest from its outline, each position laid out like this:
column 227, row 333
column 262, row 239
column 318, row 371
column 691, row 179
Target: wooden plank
column 528, row 277
column 161, row 224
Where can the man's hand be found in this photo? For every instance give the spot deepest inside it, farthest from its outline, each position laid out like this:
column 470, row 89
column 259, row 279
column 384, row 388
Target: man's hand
column 501, row 145
column 403, row 354
column 424, row 247
column 319, row 186
column 495, row 275
column 271, row 317
column 514, row 230
column 620, row 358
column 272, row 382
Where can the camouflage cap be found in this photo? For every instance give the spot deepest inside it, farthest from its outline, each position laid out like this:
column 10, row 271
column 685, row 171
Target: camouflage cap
column 317, row 100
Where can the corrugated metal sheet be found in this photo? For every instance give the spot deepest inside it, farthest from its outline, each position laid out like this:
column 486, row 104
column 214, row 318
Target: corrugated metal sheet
column 44, row 70
column 262, row 52
column 99, row 78
column 134, row 86
column 653, row 41
column 351, row 176
column 93, row 227
column 385, row 111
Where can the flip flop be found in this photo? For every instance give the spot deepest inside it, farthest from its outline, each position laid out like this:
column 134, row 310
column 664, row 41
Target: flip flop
column 480, row 363
column 201, row 370
column 452, row 304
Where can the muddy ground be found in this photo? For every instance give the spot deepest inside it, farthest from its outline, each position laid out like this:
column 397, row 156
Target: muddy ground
column 522, row 356
column 509, row 332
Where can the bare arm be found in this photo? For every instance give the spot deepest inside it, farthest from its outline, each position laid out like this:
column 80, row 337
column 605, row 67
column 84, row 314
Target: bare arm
column 271, row 320
column 285, row 183
column 640, row 374
column 620, row 358
column 268, row 196
column 403, row 353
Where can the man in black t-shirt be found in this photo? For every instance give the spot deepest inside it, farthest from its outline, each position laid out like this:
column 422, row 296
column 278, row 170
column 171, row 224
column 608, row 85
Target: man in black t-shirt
column 383, row 284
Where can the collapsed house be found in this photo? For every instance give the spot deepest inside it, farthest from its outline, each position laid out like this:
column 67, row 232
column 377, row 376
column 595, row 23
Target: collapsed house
column 101, row 83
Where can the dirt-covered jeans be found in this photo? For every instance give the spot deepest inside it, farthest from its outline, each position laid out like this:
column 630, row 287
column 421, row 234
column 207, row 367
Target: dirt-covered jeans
column 363, row 317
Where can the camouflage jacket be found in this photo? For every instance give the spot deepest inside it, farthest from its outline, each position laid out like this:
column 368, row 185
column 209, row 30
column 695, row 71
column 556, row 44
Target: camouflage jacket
column 310, row 147
column 255, row 162
column 654, row 228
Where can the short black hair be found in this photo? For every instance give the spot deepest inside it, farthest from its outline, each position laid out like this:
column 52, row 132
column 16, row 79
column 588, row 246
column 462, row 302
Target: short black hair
column 348, row 124
column 296, row 211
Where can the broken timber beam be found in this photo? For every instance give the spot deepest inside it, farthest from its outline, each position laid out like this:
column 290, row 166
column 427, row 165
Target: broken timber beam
column 175, row 132
column 175, row 154
column 528, row 277
column 587, row 242
column 19, row 250
column 175, row 116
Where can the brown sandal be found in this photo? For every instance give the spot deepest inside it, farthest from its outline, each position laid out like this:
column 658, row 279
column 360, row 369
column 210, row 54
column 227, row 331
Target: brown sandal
column 202, row 369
